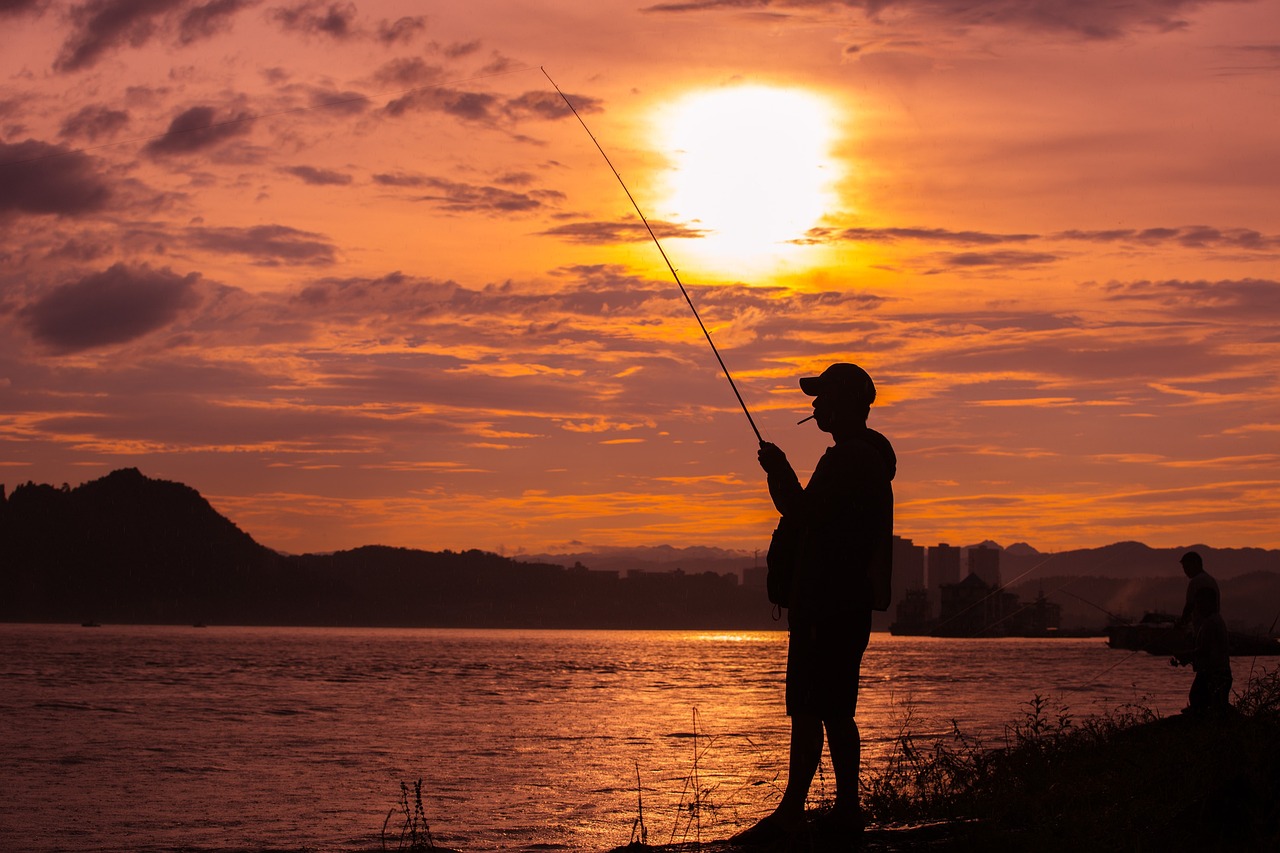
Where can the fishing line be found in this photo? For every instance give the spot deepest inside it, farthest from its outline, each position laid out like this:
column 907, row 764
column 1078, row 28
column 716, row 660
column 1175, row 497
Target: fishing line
column 256, row 116
column 662, row 252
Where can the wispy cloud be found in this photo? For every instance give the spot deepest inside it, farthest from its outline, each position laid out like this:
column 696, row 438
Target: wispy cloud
column 318, row 177
column 1086, row 19
column 196, row 129
column 267, row 244
column 460, row 197
column 622, row 231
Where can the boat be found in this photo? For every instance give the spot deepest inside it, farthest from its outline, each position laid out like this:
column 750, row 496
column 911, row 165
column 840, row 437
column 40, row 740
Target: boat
column 1159, row 634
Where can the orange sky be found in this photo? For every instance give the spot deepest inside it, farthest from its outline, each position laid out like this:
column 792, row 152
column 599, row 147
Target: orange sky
column 353, row 272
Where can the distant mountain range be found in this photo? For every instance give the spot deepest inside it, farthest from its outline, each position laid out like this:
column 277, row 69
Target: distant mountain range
column 127, row 548
column 1120, row 560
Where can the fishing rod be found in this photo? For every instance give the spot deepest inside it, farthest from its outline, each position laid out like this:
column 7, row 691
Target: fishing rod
column 661, row 251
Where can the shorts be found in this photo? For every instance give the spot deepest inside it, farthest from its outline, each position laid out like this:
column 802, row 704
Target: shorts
column 824, row 661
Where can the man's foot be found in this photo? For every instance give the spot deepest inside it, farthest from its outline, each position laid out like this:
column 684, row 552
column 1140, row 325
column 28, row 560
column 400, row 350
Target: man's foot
column 841, row 822
column 769, row 831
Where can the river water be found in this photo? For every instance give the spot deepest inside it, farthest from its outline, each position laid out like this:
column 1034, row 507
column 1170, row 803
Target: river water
column 129, row 738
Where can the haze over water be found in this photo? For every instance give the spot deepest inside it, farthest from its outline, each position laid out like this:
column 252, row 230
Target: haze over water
column 154, row 738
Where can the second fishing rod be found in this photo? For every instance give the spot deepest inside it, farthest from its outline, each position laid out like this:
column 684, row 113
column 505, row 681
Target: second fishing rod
column 661, row 251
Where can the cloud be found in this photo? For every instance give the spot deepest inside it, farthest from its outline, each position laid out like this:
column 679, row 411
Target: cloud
column 269, row 245
column 98, row 26
column 337, row 20
column 19, row 7
column 94, row 122
column 932, row 235
column 1085, row 19
column 627, row 231
column 486, row 108
column 1190, row 236
column 196, row 129
column 470, row 106
column 1240, row 301
column 401, row 30
column 548, row 105
column 407, row 71
column 36, row 177
column 459, row 197
column 318, row 177
column 1009, row 259
column 209, row 19
column 109, row 307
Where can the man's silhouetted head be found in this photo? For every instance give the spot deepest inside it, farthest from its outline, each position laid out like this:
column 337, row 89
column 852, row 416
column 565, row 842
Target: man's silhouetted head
column 1192, row 564
column 843, row 394
column 843, row 381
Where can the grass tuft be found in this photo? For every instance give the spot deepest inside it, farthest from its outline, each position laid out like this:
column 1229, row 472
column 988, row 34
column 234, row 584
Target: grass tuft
column 1129, row 779
column 415, row 832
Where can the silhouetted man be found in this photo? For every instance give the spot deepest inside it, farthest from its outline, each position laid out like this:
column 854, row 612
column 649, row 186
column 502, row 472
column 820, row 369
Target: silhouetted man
column 1197, row 579
column 841, row 575
column 1210, row 657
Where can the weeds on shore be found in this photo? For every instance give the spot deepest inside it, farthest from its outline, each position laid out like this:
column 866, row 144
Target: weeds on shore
column 639, row 832
column 415, row 832
column 1177, row 783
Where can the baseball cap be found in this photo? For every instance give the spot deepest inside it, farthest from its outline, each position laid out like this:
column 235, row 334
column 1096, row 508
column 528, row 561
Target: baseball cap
column 842, row 379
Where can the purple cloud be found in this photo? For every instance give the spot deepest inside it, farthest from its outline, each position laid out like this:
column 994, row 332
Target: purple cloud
column 100, row 25
column 627, row 231
column 483, row 107
column 1088, row 19
column 196, row 129
column 1243, row 300
column 402, row 30
column 18, row 7
column 318, row 177
column 337, row 20
column 109, row 307
column 407, row 71
column 549, row 105
column 94, row 122
column 932, row 235
column 36, row 177
column 1190, row 236
column 471, row 106
column 459, row 197
column 270, row 245
column 209, row 19
column 998, row 259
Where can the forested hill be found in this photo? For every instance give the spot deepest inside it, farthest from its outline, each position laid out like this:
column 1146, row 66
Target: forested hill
column 130, row 549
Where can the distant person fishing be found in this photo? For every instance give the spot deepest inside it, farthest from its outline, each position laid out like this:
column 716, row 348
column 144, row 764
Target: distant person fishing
column 839, row 548
column 1209, row 654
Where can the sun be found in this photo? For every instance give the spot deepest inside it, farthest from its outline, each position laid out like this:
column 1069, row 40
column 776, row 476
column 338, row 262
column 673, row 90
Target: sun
column 751, row 167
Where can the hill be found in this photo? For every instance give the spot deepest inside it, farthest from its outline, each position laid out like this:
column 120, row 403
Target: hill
column 1135, row 560
column 127, row 548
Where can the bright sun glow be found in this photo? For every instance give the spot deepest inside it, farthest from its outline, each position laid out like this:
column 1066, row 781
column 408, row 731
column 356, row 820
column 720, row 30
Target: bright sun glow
column 752, row 166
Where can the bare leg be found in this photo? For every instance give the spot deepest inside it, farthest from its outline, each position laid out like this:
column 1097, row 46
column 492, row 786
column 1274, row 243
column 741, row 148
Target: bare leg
column 845, row 743
column 806, row 752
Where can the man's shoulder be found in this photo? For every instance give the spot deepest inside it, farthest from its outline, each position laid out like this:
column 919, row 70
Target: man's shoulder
column 861, row 458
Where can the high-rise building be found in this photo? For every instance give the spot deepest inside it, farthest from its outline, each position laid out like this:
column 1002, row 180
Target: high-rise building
column 985, row 563
column 944, row 565
column 908, row 566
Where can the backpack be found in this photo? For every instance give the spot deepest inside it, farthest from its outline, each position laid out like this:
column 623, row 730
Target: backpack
column 784, row 553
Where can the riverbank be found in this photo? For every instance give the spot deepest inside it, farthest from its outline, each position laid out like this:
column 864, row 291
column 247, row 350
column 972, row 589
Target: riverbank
column 1127, row 781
